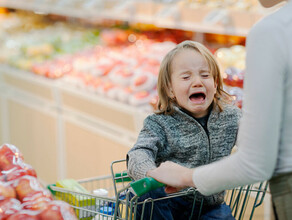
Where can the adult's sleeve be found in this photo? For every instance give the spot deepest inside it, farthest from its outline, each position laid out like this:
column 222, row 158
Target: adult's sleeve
column 260, row 126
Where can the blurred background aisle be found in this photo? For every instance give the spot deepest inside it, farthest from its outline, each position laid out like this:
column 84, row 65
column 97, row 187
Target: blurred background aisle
column 77, row 78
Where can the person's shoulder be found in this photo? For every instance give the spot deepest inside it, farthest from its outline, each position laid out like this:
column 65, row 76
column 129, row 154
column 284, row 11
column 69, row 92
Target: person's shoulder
column 274, row 22
column 281, row 15
column 152, row 117
column 231, row 110
column 156, row 118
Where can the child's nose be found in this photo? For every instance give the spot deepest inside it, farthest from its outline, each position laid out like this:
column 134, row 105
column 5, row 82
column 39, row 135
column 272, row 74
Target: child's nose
column 197, row 82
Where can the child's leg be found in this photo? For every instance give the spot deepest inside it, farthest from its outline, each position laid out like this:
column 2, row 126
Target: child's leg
column 181, row 208
column 161, row 209
column 222, row 211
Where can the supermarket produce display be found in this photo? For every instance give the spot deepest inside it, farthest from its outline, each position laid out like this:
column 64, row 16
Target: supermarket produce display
column 22, row 196
column 114, row 63
column 222, row 17
column 232, row 62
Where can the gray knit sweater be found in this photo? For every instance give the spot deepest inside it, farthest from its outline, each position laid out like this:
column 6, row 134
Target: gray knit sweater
column 181, row 139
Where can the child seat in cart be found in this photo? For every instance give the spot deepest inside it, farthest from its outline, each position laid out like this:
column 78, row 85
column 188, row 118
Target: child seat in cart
column 115, row 196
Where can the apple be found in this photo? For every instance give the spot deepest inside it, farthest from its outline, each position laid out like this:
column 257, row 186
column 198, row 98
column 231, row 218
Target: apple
column 9, row 207
column 6, row 191
column 18, row 170
column 27, row 186
column 2, row 177
column 36, row 202
column 24, row 215
column 9, row 155
column 140, row 80
column 58, row 210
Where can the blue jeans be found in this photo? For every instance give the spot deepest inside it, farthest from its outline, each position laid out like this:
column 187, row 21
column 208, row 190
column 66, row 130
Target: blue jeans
column 178, row 208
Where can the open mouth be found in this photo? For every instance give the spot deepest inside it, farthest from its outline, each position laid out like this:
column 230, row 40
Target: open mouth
column 197, row 97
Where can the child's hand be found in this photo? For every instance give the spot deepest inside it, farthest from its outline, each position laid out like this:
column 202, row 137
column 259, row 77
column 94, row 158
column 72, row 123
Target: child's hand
column 170, row 189
column 175, row 176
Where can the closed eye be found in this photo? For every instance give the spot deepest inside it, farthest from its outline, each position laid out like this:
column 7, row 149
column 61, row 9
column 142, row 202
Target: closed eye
column 205, row 74
column 185, row 76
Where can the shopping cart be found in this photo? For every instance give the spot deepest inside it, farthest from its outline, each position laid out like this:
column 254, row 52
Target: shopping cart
column 120, row 204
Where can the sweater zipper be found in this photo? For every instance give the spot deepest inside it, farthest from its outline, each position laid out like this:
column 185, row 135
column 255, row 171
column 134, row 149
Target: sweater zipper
column 209, row 144
column 208, row 137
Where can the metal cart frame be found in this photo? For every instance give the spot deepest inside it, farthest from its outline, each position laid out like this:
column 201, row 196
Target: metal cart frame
column 121, row 205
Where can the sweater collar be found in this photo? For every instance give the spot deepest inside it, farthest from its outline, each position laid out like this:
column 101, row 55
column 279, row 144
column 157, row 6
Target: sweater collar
column 214, row 114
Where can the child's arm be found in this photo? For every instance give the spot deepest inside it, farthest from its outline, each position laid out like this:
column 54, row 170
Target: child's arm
column 141, row 158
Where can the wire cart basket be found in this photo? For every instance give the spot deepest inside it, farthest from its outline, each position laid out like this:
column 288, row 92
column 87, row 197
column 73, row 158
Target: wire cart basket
column 121, row 202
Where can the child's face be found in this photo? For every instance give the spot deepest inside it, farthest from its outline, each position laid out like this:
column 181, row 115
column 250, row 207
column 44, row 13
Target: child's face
column 192, row 84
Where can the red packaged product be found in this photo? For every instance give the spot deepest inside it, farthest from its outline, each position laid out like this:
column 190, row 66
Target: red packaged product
column 24, row 215
column 36, row 202
column 9, row 155
column 19, row 169
column 6, row 191
column 9, row 207
column 28, row 186
column 58, row 210
column 2, row 177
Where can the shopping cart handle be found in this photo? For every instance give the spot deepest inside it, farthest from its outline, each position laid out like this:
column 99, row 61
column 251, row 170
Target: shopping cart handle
column 122, row 177
column 49, row 187
column 142, row 186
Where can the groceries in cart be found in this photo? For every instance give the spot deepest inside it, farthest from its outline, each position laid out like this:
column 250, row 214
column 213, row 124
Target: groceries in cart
column 22, row 196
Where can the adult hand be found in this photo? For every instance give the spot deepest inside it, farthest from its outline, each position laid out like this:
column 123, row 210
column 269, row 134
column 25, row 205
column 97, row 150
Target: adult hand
column 176, row 177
